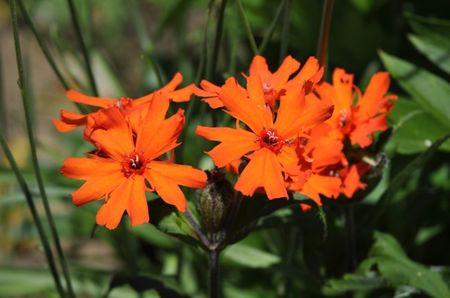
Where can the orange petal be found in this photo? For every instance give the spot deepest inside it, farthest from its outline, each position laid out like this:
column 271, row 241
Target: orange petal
column 373, row 99
column 155, row 115
column 288, row 159
column 311, row 70
column 363, row 133
column 62, row 126
column 325, row 185
column 235, row 143
column 281, row 76
column 343, row 90
column 137, row 208
column 182, row 95
column 111, row 212
column 243, row 108
column 213, row 102
column 166, row 188
column 164, row 139
column 259, row 68
column 97, row 187
column 101, row 102
column 172, row 85
column 263, row 170
column 84, row 168
column 180, row 174
column 352, row 182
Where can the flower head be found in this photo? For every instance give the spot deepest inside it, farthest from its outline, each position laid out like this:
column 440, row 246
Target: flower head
column 126, row 165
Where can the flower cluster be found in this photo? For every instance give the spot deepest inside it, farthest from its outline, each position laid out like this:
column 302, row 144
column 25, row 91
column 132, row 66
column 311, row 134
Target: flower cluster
column 291, row 128
column 293, row 133
column 133, row 142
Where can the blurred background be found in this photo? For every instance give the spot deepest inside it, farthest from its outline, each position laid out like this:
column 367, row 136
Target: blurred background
column 134, row 46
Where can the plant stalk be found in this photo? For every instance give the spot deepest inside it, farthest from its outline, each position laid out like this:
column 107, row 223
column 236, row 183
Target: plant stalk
column 84, row 50
column 322, row 47
column 214, row 274
column 285, row 30
column 33, row 149
column 247, row 27
column 350, row 237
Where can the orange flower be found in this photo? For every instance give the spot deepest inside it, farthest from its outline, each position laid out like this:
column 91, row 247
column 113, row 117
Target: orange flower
column 128, row 106
column 269, row 145
column 125, row 162
column 368, row 115
column 273, row 84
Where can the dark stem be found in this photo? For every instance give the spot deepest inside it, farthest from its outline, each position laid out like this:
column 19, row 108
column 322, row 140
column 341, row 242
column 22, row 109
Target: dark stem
column 322, row 47
column 214, row 276
column 84, row 50
column 350, row 237
column 285, row 30
column 217, row 40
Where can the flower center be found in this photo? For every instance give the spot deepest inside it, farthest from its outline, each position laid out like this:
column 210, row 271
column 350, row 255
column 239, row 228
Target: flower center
column 134, row 163
column 269, row 138
column 124, row 103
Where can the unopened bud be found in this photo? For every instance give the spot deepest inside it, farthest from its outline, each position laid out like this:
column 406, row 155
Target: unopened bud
column 215, row 201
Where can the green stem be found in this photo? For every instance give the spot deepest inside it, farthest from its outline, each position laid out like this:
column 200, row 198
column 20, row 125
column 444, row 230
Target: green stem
column 322, row 47
column 3, row 112
column 273, row 25
column 32, row 141
column 217, row 40
column 247, row 27
column 285, row 31
column 350, row 237
column 36, row 219
column 83, row 47
column 42, row 45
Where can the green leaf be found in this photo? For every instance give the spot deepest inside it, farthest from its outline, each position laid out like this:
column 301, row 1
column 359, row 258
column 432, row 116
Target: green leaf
column 436, row 49
column 429, row 91
column 353, row 282
column 401, row 177
column 250, row 256
column 14, row 282
column 168, row 220
column 395, row 266
column 414, row 129
column 142, row 283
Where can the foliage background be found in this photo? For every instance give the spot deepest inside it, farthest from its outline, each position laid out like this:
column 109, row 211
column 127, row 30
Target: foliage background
column 134, row 44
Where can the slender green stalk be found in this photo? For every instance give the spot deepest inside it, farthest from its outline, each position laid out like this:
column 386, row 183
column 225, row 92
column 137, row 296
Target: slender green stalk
column 2, row 93
column 322, row 47
column 285, row 31
column 217, row 40
column 32, row 141
column 36, row 219
column 84, row 50
column 273, row 25
column 248, row 30
column 42, row 45
column 214, row 273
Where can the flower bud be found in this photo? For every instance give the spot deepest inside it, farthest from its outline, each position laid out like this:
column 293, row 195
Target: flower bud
column 214, row 201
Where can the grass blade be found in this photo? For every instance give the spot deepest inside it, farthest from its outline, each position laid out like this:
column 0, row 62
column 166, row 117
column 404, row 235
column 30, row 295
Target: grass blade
column 247, row 27
column 32, row 141
column 84, row 50
column 273, row 25
column 36, row 219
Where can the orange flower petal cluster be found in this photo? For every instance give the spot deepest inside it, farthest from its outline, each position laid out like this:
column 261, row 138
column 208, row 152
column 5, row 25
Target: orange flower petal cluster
column 291, row 128
column 273, row 130
column 129, row 158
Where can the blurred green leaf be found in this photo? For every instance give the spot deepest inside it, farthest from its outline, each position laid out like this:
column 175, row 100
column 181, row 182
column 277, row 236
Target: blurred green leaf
column 15, row 282
column 250, row 256
column 436, row 49
column 428, row 90
column 142, row 283
column 414, row 129
column 395, row 270
column 168, row 220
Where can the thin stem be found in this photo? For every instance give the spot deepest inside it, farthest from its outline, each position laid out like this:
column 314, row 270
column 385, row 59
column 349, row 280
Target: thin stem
column 197, row 228
column 273, row 25
column 285, row 31
column 3, row 112
column 83, row 47
column 214, row 273
column 42, row 45
column 217, row 40
column 26, row 192
column 322, row 47
column 32, row 141
column 247, row 27
column 350, row 236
